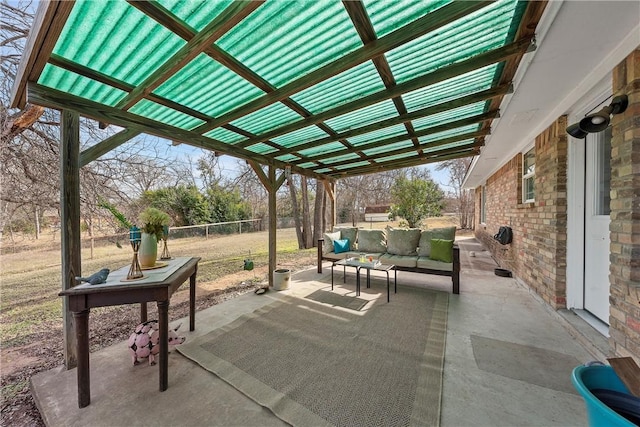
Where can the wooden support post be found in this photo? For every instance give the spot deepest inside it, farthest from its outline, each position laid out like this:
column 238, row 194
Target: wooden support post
column 273, row 224
column 330, row 187
column 271, row 184
column 70, row 223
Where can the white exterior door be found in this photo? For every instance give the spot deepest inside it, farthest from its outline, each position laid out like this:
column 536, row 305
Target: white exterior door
column 596, row 224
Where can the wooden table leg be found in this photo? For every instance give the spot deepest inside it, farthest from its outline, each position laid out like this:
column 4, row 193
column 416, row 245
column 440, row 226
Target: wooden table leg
column 192, row 300
column 81, row 320
column 143, row 312
column 163, row 326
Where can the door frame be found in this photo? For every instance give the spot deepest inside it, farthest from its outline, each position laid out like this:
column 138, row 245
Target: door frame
column 576, row 181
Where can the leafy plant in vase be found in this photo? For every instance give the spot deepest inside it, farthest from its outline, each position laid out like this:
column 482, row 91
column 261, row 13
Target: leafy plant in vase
column 153, row 222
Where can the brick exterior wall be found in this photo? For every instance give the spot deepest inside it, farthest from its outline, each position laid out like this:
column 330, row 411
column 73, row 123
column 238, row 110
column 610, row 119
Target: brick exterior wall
column 537, row 254
column 624, row 275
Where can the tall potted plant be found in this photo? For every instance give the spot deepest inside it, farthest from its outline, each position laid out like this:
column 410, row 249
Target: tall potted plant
column 153, row 221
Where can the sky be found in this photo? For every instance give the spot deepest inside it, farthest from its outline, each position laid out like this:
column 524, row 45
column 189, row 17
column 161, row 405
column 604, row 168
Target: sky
column 228, row 164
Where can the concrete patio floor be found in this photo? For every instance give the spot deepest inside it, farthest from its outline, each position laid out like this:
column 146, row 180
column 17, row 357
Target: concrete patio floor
column 501, row 350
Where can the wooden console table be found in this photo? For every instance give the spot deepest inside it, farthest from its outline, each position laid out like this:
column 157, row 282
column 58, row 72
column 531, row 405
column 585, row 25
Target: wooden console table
column 158, row 285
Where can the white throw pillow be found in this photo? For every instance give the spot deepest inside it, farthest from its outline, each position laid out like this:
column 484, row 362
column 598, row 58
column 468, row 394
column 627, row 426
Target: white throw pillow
column 327, row 246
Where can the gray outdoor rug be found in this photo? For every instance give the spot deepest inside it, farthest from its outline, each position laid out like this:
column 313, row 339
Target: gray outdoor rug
column 312, row 364
column 335, row 299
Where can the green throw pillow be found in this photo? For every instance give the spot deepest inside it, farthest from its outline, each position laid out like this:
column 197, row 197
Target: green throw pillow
column 340, row 246
column 441, row 250
column 446, row 233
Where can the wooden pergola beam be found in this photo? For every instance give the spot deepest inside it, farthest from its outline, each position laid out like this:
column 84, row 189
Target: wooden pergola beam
column 399, row 138
column 415, row 29
column 429, row 145
column 381, row 167
column 445, row 73
column 80, row 69
column 222, row 23
column 367, row 34
column 164, row 17
column 52, row 98
column 48, row 23
column 103, row 147
column 423, row 112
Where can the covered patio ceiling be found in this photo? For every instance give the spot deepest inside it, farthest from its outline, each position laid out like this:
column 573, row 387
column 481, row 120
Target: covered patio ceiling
column 330, row 89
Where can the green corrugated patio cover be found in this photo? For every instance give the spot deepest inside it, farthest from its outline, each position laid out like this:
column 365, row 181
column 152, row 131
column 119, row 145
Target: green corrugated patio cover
column 329, row 88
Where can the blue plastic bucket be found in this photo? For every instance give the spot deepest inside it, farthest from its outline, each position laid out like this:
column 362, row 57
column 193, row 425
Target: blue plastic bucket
column 587, row 378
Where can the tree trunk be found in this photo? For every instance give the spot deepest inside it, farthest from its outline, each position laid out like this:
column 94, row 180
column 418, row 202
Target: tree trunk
column 296, row 213
column 325, row 211
column 306, row 218
column 91, row 236
column 37, row 214
column 466, row 209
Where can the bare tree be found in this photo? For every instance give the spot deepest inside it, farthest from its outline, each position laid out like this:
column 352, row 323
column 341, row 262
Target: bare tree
column 29, row 147
column 209, row 168
column 296, row 213
column 465, row 203
column 307, row 233
column 251, row 190
column 356, row 193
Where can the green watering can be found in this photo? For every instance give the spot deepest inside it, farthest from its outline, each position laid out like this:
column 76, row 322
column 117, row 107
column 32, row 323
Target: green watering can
column 248, row 263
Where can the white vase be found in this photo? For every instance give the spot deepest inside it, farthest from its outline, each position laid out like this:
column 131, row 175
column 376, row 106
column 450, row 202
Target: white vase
column 148, row 252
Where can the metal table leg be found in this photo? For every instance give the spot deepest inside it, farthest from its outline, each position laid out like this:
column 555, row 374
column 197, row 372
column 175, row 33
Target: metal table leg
column 332, row 265
column 395, row 280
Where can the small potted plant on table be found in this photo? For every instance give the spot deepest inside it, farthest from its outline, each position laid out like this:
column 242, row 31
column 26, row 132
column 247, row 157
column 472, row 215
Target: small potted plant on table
column 153, row 222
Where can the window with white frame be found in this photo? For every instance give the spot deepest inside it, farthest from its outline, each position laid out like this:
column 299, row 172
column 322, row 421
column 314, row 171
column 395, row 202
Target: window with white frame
column 529, row 176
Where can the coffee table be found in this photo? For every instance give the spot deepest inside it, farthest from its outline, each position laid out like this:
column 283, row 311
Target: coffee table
column 359, row 265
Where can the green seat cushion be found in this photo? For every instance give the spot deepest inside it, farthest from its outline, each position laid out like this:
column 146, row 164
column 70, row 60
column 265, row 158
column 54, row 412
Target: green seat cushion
column 445, row 233
column 398, row 260
column 335, row 257
column 441, row 250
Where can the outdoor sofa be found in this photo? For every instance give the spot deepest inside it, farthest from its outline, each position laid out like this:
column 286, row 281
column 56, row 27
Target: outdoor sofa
column 431, row 251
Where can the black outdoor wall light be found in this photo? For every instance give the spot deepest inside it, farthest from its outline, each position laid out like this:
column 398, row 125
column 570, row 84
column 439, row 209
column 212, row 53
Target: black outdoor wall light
column 599, row 121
